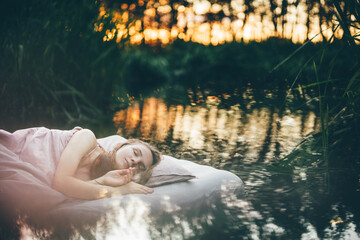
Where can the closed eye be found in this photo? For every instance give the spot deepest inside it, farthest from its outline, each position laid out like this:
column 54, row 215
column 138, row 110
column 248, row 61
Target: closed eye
column 136, row 153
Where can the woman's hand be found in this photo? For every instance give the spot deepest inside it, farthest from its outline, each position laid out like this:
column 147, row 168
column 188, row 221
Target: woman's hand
column 130, row 188
column 116, row 178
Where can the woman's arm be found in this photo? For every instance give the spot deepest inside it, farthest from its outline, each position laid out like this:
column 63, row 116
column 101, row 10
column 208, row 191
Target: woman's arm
column 64, row 181
column 80, row 144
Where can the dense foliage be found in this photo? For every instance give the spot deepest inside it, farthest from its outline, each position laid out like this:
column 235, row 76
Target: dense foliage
column 56, row 66
column 52, row 61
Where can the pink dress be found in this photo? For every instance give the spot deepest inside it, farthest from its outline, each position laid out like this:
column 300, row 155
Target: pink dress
column 41, row 147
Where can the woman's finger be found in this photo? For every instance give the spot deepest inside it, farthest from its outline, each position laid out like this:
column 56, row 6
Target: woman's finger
column 147, row 190
column 121, row 172
column 144, row 191
column 132, row 172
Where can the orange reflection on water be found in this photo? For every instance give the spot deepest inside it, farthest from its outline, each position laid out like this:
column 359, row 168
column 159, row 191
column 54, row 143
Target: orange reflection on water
column 164, row 120
column 264, row 132
column 178, row 122
column 256, row 126
column 130, row 116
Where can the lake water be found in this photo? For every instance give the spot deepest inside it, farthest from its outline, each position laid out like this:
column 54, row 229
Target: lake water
column 248, row 139
column 248, row 135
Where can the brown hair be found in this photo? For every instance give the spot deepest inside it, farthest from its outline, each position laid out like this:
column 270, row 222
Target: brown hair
column 105, row 162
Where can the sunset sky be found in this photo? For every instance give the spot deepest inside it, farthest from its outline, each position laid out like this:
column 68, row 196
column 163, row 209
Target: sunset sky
column 193, row 26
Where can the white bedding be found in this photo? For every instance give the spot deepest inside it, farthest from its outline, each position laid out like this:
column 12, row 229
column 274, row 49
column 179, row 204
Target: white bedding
column 202, row 198
column 209, row 183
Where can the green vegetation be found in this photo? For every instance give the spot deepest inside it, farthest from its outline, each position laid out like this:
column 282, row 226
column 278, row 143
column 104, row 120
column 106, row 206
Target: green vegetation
column 53, row 64
column 337, row 83
column 56, row 69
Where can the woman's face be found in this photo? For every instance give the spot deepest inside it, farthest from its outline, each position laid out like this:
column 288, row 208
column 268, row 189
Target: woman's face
column 133, row 155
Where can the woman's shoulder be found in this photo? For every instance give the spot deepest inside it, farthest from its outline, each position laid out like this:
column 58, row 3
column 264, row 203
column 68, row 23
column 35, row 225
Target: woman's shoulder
column 84, row 137
column 86, row 133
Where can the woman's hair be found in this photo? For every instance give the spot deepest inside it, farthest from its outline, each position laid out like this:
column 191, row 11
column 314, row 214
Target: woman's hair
column 105, row 162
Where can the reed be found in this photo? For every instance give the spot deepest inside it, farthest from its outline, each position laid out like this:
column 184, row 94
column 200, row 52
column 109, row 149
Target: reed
column 63, row 70
column 54, row 66
column 338, row 89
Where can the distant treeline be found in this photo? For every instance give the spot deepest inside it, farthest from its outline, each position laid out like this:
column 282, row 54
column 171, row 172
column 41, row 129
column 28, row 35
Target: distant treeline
column 283, row 18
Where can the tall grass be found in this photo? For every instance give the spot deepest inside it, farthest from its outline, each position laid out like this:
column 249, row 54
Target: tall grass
column 338, row 86
column 54, row 66
column 54, row 74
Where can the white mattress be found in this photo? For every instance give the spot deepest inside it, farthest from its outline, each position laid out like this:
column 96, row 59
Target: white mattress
column 134, row 216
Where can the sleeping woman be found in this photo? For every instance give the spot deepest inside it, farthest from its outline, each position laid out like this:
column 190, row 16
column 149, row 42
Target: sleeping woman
column 79, row 167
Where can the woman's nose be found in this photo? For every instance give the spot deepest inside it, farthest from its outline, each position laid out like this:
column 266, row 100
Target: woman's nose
column 135, row 160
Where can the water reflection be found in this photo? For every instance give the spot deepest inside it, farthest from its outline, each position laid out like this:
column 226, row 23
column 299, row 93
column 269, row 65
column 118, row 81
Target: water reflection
column 209, row 132
column 242, row 138
column 246, row 138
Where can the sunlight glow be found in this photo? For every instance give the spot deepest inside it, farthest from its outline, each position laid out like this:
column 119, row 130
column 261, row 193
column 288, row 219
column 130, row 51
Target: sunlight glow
column 192, row 22
column 194, row 124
